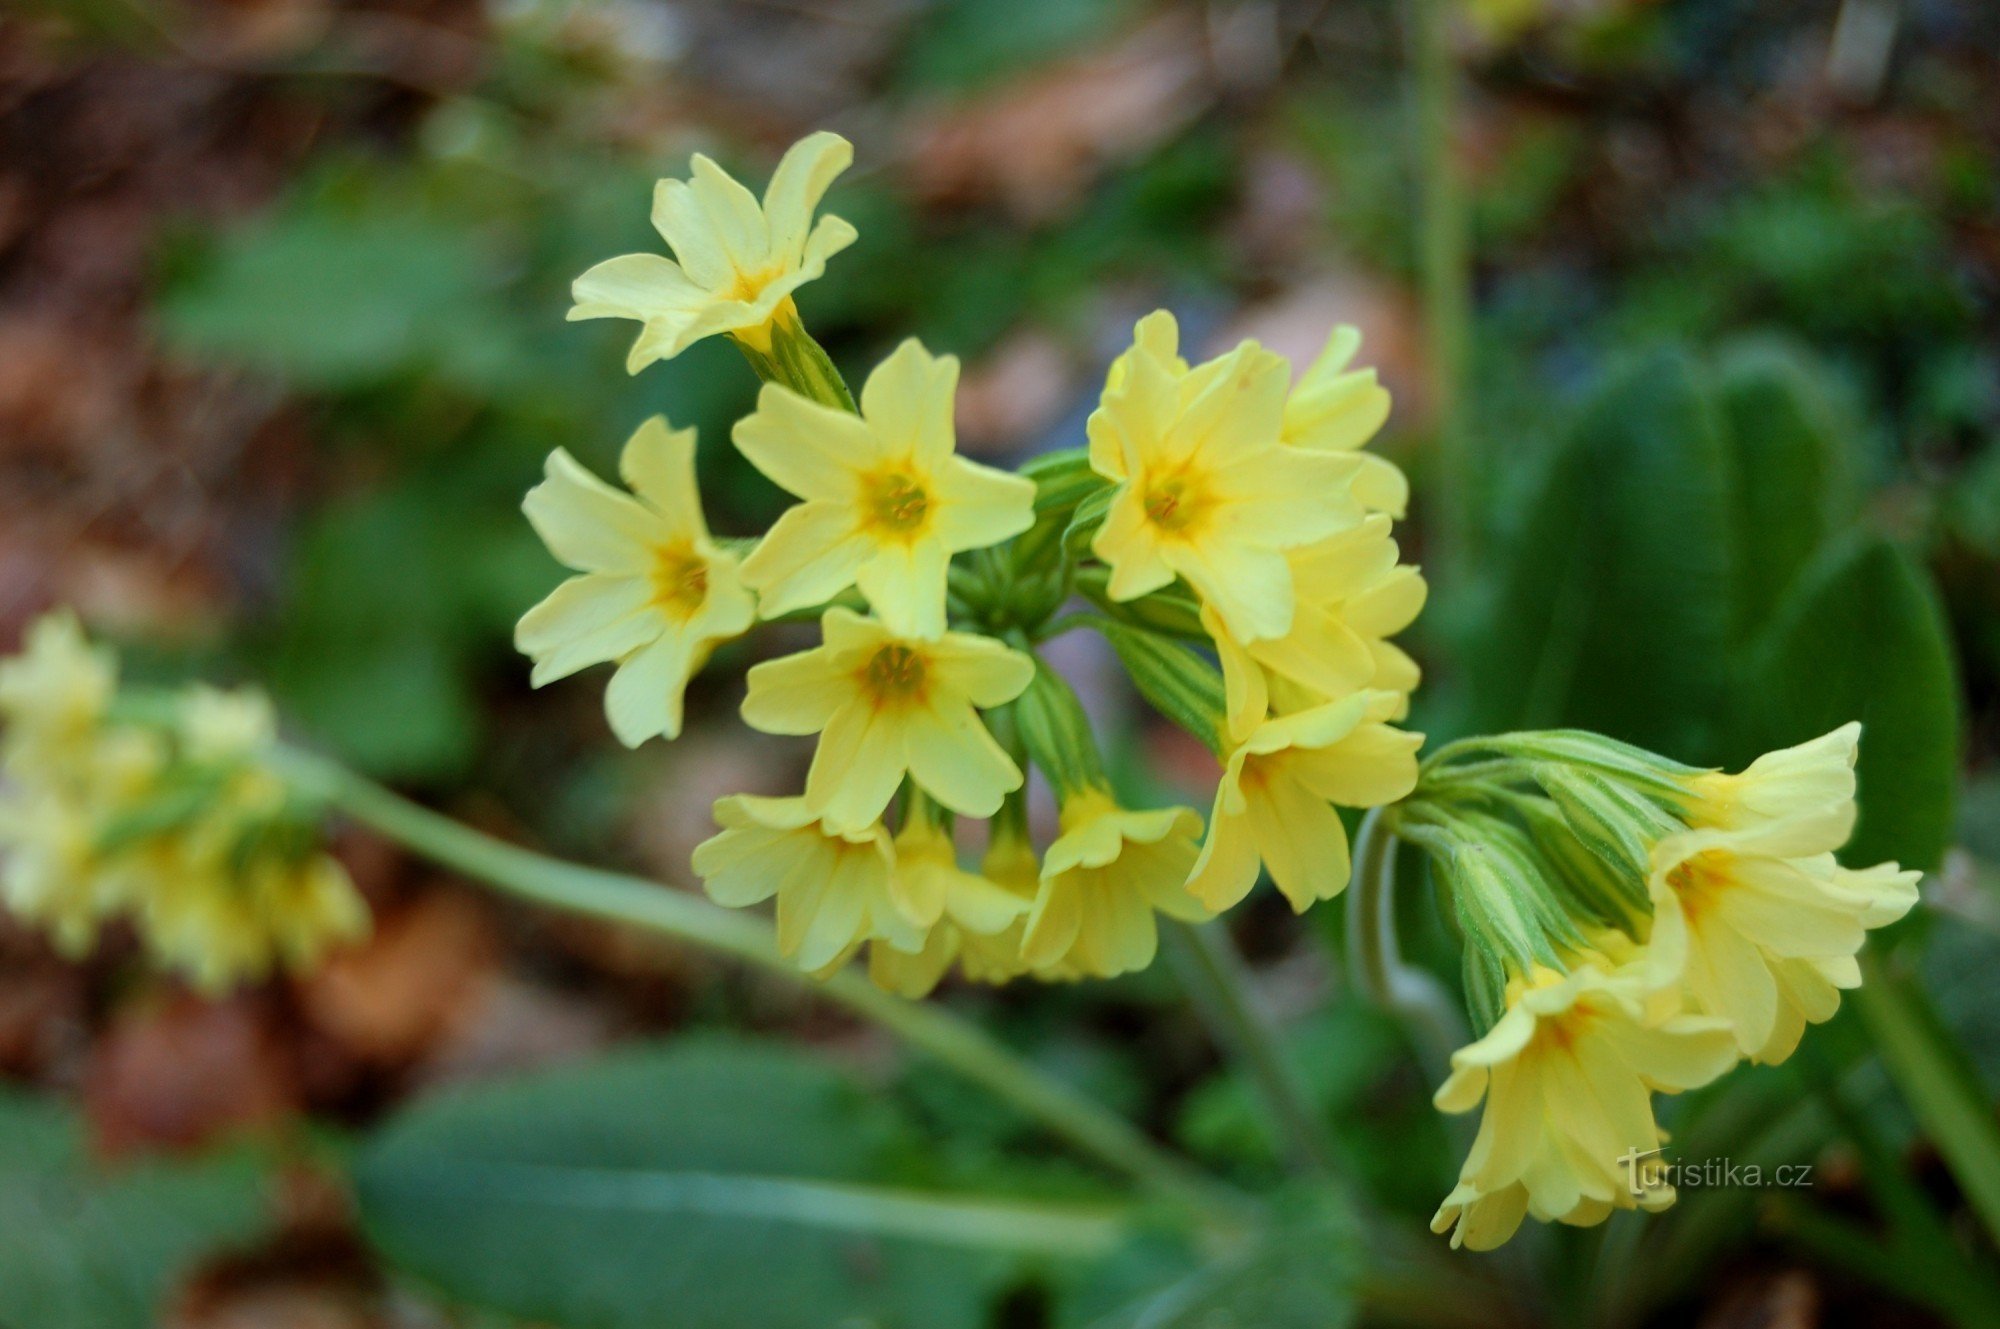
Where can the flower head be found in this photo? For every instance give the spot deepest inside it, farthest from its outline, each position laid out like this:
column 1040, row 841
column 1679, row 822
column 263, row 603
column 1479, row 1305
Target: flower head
column 1205, row 490
column 1102, row 880
column 1274, row 805
column 1337, row 409
column 833, row 888
column 655, row 593
column 886, row 500
column 887, row 705
column 1567, row 1075
column 54, row 693
column 736, row 262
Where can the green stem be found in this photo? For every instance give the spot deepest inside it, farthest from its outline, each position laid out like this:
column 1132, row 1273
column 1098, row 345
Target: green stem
column 1411, row 994
column 646, row 904
column 1444, row 261
column 1215, row 979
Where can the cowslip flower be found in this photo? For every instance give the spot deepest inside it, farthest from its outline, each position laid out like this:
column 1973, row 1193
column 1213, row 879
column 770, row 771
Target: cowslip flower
column 1103, row 879
column 957, row 906
column 833, row 887
column 1352, row 595
column 736, row 262
column 1769, row 924
column 887, row 705
column 54, row 693
column 1205, row 490
column 887, row 501
column 223, row 924
column 1567, row 1076
column 1274, row 804
column 655, row 593
column 1337, row 409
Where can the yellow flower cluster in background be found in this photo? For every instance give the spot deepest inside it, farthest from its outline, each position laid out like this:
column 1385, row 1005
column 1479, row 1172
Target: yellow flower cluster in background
column 1644, row 928
column 161, row 811
column 1221, row 494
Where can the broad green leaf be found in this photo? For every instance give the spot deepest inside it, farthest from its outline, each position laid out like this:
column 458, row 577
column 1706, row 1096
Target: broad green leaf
column 1791, row 489
column 90, row 1247
column 706, row 1185
column 1304, row 1271
column 1609, row 609
column 1863, row 638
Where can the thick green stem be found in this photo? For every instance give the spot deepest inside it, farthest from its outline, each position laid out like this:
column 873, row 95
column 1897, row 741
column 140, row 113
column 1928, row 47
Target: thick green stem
column 646, row 904
column 1444, row 259
column 1214, row 976
column 1412, row 995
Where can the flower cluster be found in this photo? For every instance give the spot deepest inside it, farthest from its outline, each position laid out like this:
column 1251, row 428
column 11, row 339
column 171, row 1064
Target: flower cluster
column 1632, row 926
column 1222, row 529
column 162, row 810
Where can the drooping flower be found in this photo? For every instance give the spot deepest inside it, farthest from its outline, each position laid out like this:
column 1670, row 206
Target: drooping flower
column 223, row 924
column 833, row 888
column 736, row 262
column 1274, row 805
column 1205, row 489
column 960, row 908
column 54, row 693
column 1567, row 1076
column 1337, row 409
column 1769, row 923
column 886, row 705
column 655, row 593
column 887, row 501
column 1352, row 596
column 1103, row 879
column 1815, row 778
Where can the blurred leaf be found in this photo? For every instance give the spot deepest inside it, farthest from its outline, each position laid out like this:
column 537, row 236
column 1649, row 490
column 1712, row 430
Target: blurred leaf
column 720, row 1184
column 1791, row 485
column 1862, row 638
column 1610, row 605
column 101, row 1248
column 1303, row 1272
column 960, row 44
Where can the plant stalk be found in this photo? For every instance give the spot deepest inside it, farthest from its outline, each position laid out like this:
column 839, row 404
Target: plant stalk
column 649, row 905
column 1411, row 994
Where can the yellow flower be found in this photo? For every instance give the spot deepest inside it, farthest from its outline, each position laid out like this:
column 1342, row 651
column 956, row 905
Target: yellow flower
column 222, row 923
column 887, row 501
column 1274, row 804
column 1769, row 924
column 887, row 705
column 1352, row 596
column 55, row 692
column 1101, row 881
column 655, row 592
column 1205, row 489
column 958, row 907
column 51, row 874
column 1567, row 1075
column 1814, row 779
column 738, row 262
column 833, row 889
column 1337, row 409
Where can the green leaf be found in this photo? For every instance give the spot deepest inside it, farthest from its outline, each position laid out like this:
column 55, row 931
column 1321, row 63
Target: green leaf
column 703, row 1185
column 101, row 1248
column 1609, row 610
column 1863, row 638
column 1791, row 487
column 1302, row 1272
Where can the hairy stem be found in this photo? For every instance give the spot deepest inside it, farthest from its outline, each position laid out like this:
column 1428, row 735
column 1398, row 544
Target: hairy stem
column 1411, row 994
column 646, row 904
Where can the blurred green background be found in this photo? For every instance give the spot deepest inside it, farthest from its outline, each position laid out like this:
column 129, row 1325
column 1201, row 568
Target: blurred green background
column 281, row 347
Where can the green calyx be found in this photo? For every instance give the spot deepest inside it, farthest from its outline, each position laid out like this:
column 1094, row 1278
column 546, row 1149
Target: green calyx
column 1056, row 732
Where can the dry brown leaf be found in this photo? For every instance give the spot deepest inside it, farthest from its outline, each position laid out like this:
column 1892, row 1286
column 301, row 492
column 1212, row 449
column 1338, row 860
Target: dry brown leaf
column 175, row 1070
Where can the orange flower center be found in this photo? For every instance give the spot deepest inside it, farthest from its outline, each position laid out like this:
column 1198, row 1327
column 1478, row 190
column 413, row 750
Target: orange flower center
column 896, row 503
column 680, row 580
column 895, row 674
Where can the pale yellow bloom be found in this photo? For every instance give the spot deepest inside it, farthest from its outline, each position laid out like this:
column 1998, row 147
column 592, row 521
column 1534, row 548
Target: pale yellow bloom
column 1567, row 1075
column 222, row 923
column 55, row 692
column 960, row 908
column 1337, row 409
column 1205, row 489
column 1768, row 923
column 655, row 593
column 886, row 706
column 1352, row 596
column 887, row 501
column 1274, row 803
column 738, row 261
column 1101, row 882
column 1814, row 779
column 833, row 888
column 51, row 874
column 1009, row 863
